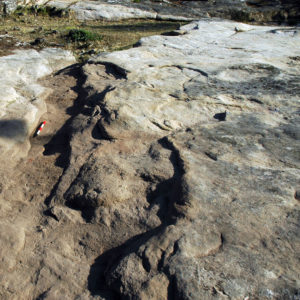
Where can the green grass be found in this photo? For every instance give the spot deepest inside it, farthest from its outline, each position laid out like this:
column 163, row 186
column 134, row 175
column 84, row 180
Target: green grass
column 82, row 35
column 64, row 31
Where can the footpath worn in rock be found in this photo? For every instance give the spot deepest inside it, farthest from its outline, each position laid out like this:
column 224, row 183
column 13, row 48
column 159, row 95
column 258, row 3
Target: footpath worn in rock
column 180, row 175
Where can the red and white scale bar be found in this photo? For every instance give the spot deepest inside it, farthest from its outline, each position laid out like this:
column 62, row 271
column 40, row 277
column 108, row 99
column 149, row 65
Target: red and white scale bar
column 40, row 128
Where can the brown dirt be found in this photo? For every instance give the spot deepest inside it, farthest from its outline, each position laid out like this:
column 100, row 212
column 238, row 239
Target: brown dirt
column 26, row 186
column 32, row 180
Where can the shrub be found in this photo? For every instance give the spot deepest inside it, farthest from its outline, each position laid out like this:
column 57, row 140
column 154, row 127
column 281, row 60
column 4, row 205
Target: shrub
column 81, row 35
column 42, row 10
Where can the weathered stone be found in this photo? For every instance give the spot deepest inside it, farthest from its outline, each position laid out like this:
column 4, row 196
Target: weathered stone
column 12, row 241
column 205, row 77
column 171, row 203
column 244, row 11
column 156, row 288
column 228, row 239
column 22, row 98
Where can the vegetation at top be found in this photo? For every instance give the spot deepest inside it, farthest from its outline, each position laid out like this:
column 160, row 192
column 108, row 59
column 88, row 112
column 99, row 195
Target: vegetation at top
column 82, row 35
column 40, row 26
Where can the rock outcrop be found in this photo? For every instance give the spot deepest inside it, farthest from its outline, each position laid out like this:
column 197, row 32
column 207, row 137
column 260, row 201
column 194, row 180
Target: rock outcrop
column 260, row 11
column 191, row 157
column 22, row 98
column 181, row 175
column 245, row 11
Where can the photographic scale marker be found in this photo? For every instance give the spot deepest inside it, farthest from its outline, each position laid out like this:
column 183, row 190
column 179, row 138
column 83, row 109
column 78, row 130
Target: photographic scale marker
column 40, row 128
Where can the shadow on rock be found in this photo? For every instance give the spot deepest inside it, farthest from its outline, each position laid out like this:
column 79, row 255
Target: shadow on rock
column 142, row 26
column 60, row 141
column 97, row 284
column 15, row 129
column 168, row 192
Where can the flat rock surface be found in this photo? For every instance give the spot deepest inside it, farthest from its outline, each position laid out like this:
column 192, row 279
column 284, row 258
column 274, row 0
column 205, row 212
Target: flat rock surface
column 223, row 99
column 180, row 175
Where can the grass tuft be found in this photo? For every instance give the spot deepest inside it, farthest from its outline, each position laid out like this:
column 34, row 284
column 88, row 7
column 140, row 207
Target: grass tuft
column 82, row 35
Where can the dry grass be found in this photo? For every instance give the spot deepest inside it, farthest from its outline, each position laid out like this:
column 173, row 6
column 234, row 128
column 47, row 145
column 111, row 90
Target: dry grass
column 42, row 30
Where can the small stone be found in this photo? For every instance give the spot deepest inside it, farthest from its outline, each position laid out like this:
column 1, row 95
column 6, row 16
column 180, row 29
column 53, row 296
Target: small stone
column 37, row 41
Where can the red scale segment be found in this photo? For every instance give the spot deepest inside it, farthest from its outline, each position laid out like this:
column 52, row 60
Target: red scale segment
column 41, row 127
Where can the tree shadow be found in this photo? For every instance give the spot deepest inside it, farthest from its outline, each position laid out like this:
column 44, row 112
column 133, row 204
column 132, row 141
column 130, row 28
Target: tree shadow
column 15, row 129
